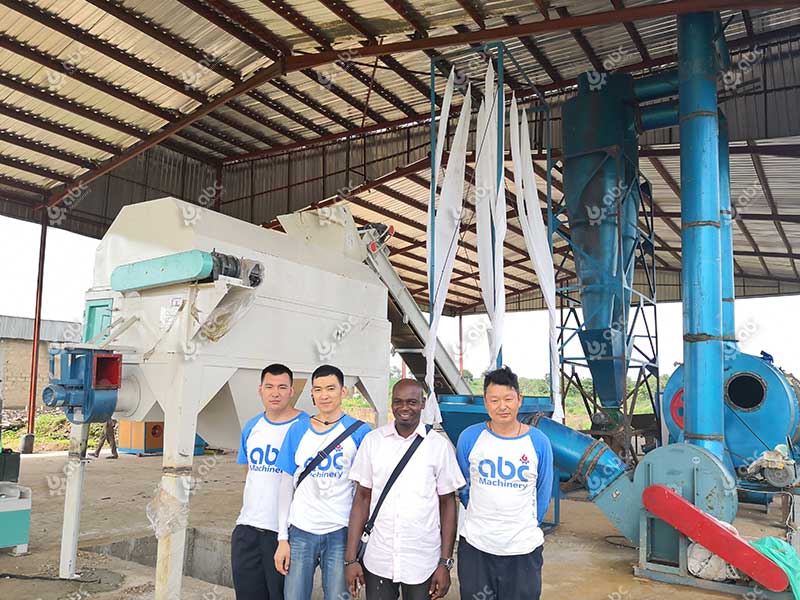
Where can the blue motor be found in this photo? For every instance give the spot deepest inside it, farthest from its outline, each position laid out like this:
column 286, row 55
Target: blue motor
column 87, row 383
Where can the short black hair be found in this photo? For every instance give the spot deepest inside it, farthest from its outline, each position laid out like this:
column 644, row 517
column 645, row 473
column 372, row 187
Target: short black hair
column 501, row 376
column 325, row 370
column 277, row 369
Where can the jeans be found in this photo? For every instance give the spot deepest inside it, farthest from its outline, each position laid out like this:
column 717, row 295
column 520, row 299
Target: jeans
column 253, row 564
column 309, row 550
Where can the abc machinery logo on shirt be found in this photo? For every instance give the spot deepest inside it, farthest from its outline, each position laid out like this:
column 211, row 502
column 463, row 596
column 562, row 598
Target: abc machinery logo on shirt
column 332, row 466
column 504, row 473
column 264, row 459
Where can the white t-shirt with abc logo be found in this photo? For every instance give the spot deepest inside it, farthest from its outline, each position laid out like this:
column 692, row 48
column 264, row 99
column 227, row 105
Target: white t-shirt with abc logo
column 322, row 502
column 261, row 442
column 509, row 484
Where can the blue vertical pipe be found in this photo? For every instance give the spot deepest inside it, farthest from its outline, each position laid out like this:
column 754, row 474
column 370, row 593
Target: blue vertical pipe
column 726, row 242
column 701, row 275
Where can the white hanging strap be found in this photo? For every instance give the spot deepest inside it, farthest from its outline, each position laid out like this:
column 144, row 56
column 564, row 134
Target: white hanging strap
column 536, row 238
column 444, row 117
column 448, row 221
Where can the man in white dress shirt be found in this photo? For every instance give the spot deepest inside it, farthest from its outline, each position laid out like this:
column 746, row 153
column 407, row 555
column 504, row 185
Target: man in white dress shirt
column 410, row 548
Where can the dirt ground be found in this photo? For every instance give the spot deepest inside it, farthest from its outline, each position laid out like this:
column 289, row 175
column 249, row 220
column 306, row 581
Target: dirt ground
column 579, row 562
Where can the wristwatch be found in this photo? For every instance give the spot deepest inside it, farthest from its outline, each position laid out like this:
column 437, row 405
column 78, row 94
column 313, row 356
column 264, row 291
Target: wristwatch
column 447, row 563
column 347, row 563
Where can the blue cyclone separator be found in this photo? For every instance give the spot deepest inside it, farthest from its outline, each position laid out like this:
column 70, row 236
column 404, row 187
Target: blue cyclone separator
column 601, row 188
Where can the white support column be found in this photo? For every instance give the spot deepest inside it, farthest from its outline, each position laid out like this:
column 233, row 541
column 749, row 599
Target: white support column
column 794, row 520
column 76, row 461
column 171, row 507
column 375, row 390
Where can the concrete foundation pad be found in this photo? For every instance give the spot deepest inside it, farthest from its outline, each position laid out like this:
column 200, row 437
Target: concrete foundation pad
column 579, row 561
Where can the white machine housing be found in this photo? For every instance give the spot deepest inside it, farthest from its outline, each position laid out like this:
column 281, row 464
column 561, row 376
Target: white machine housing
column 197, row 349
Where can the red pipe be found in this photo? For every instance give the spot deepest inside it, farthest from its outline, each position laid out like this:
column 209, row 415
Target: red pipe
column 37, row 322
column 460, row 345
column 494, row 34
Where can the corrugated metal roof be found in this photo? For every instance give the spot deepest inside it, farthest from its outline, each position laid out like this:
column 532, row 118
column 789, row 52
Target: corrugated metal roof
column 83, row 80
column 21, row 328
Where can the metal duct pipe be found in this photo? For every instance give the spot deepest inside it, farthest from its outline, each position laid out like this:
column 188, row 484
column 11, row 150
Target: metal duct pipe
column 590, row 461
column 656, row 116
column 726, row 244
column 701, row 278
column 656, row 86
column 721, row 44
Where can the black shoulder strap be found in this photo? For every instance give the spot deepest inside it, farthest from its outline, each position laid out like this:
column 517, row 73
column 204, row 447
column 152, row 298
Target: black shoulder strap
column 392, row 478
column 323, row 454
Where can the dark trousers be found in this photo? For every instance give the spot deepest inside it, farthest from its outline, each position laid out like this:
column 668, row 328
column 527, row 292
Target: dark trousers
column 483, row 576
column 380, row 588
column 253, row 564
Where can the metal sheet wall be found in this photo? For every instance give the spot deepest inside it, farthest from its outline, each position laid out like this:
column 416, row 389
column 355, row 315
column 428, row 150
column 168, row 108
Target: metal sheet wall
column 153, row 174
column 669, row 290
column 261, row 190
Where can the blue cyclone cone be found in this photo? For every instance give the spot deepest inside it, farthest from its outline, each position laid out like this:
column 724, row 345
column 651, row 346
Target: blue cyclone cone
column 603, row 197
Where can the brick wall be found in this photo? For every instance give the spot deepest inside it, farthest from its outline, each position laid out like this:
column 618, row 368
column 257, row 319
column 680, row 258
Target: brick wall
column 15, row 372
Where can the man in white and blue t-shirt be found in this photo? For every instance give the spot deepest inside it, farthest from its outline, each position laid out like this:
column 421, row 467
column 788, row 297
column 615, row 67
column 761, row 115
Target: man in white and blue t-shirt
column 509, row 471
column 313, row 513
column 255, row 538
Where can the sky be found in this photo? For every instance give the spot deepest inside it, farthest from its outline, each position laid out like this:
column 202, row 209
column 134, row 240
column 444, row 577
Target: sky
column 770, row 324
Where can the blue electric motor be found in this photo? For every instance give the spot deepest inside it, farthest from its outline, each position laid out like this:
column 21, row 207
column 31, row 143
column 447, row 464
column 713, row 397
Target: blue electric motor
column 87, row 383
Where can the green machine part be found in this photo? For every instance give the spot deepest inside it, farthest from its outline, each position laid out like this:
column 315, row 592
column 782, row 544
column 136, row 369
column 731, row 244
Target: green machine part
column 193, row 265
column 15, row 516
column 96, row 318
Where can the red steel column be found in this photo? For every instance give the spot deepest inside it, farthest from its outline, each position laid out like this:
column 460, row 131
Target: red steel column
column 37, row 322
column 460, row 346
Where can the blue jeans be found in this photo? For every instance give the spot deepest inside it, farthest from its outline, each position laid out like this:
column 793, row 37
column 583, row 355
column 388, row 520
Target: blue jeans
column 309, row 550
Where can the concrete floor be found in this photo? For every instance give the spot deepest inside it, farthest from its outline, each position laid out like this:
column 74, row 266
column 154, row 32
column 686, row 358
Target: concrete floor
column 579, row 563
